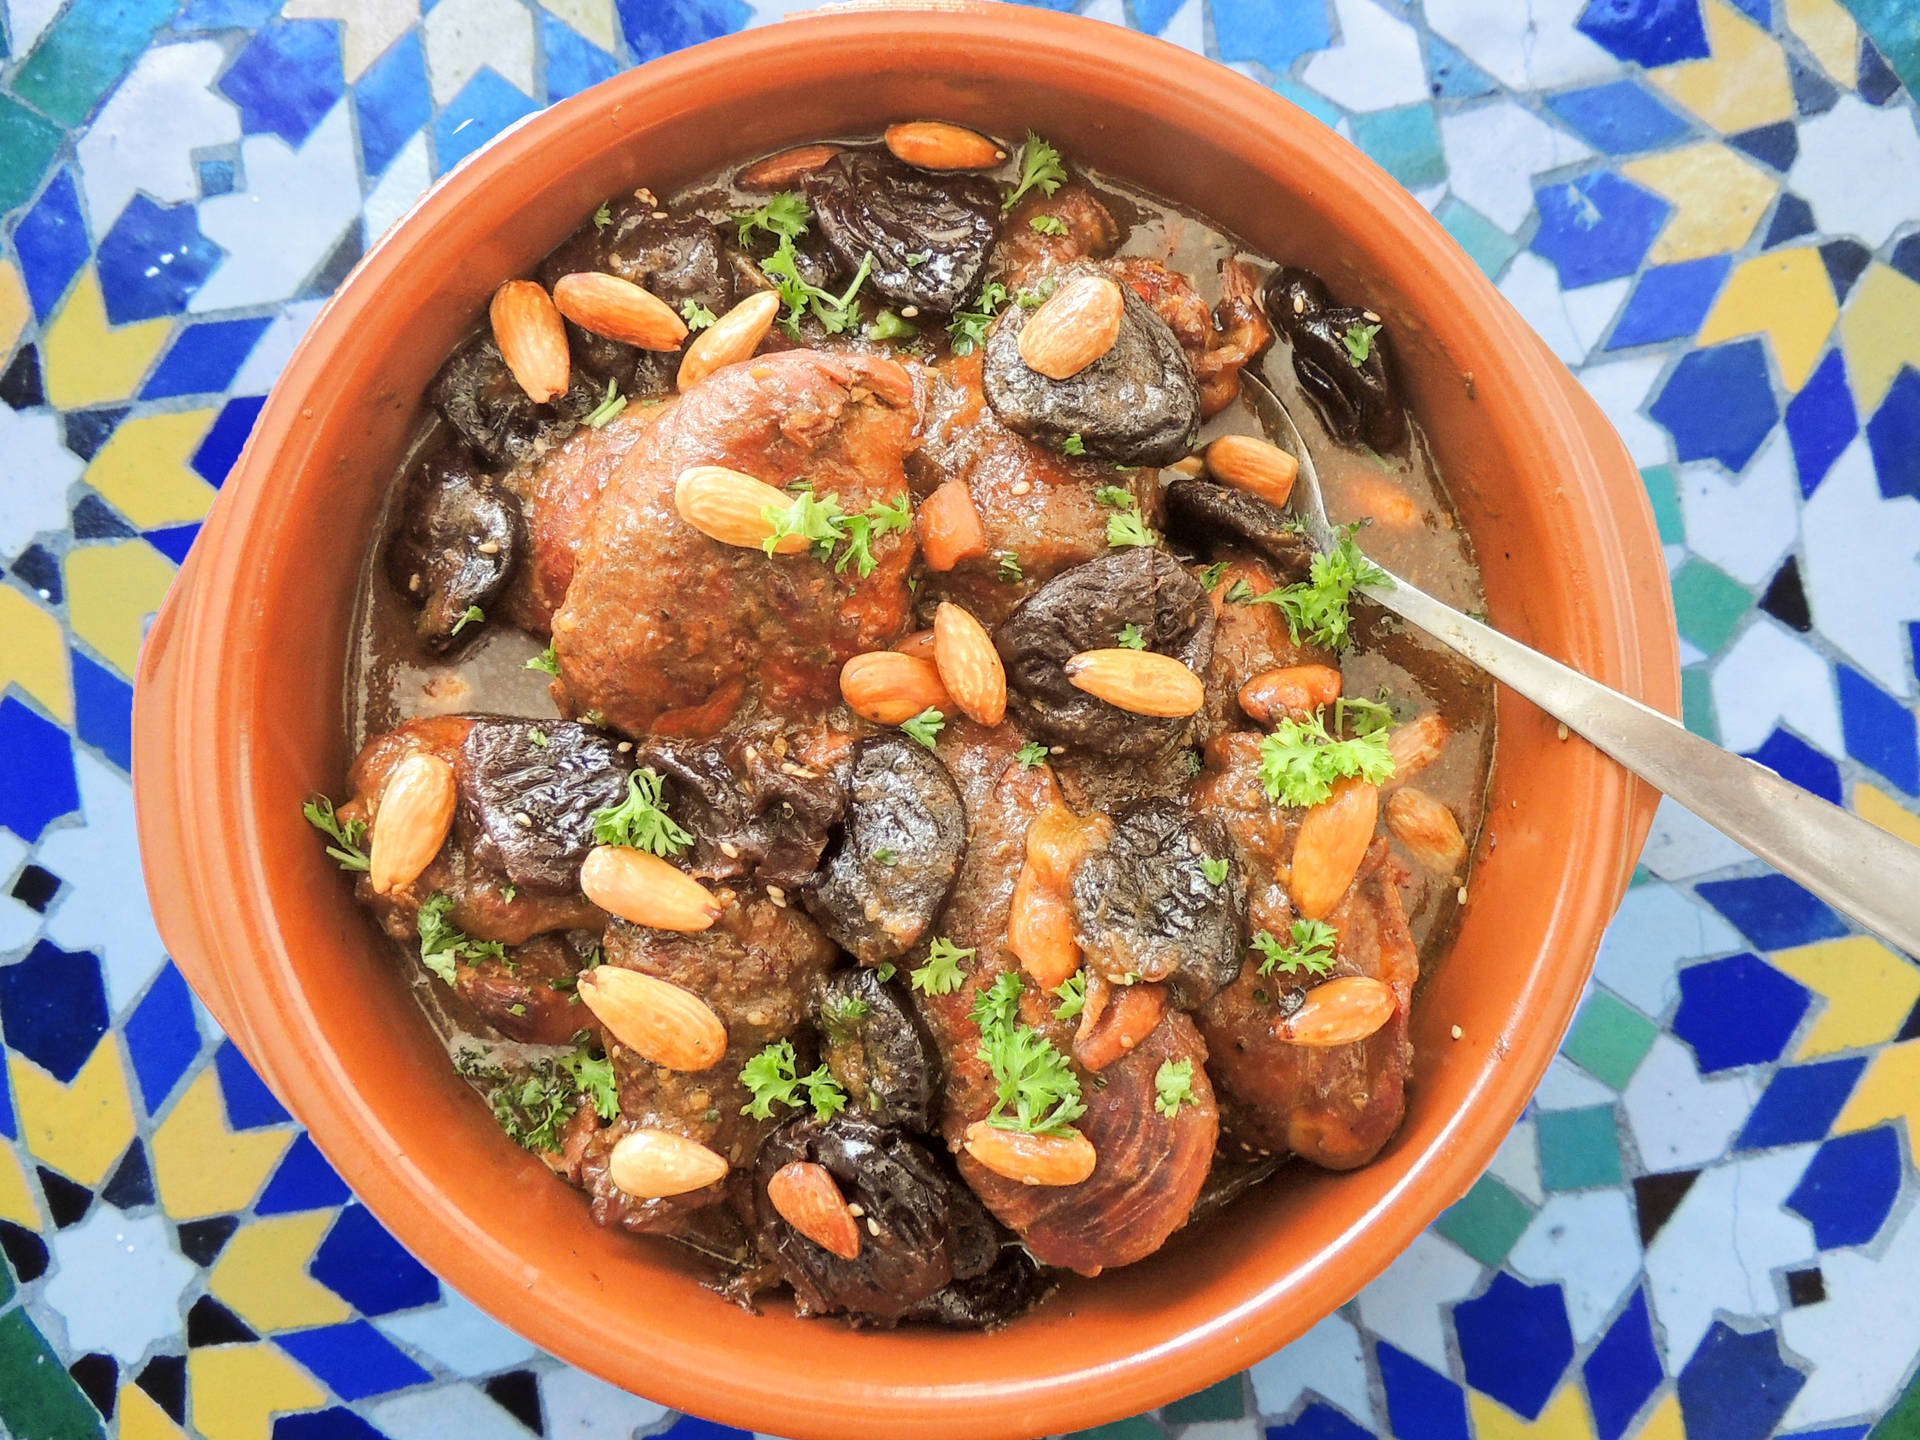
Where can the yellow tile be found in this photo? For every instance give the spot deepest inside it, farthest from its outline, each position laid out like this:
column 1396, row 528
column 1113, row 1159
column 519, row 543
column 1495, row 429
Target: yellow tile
column 1784, row 295
column 262, row 1274
column 1718, row 196
column 13, row 307
column 35, row 654
column 1869, row 991
column 200, row 1165
column 1880, row 331
column 237, row 1389
column 1743, row 83
column 1829, row 33
column 16, row 1198
column 142, row 1419
column 1883, row 810
column 87, row 361
column 1564, row 1418
column 111, row 590
column 1890, row 1090
column 1665, row 1422
column 592, row 18
column 78, row 1129
column 143, row 470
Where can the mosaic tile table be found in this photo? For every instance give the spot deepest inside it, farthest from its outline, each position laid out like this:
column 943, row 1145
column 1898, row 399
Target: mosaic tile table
column 1705, row 1224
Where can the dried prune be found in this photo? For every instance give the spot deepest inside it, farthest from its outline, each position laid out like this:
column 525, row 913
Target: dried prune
column 751, row 814
column 872, row 1041
column 1340, row 355
column 1086, row 608
column 886, row 877
column 477, row 395
column 1012, row 1285
column 1204, row 512
column 678, row 259
column 929, row 235
column 459, row 539
column 528, row 790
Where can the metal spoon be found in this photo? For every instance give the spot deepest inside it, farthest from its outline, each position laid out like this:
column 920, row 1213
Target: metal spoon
column 1857, row 868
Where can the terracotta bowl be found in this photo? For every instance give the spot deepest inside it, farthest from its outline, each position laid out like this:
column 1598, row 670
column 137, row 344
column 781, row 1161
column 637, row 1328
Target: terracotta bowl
column 239, row 715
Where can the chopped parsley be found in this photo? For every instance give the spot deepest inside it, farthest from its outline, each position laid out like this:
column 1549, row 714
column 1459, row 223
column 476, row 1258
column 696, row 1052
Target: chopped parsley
column 1210, row 574
column 613, row 403
column 603, row 217
column 1316, row 608
column 534, row 1108
column 885, row 971
column 1073, row 996
column 889, row 326
column 1073, row 445
column 1010, row 570
column 349, row 836
column 1359, row 343
column 942, row 975
column 539, row 737
column 914, row 259
column 925, row 727
column 771, row 1077
column 443, row 945
column 544, row 662
column 640, row 822
column 1129, row 529
column 1117, row 496
column 1214, row 868
column 472, row 615
column 835, row 313
column 1301, row 759
column 1309, row 951
column 886, row 855
column 884, row 516
column 1033, row 1079
column 842, row 1014
column 508, row 893
column 1040, row 169
column 1031, row 755
column 815, row 517
column 1173, row 1087
column 968, row 328
column 783, row 216
column 1039, row 295
column 1240, row 592
column 697, row 316
column 1047, row 225
column 1129, row 635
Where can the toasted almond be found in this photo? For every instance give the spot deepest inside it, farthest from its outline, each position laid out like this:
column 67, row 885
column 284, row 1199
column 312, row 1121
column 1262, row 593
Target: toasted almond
column 730, row 339
column 1333, row 840
column 1416, row 745
column 1339, row 1012
column 937, row 145
column 1058, row 837
column 1428, row 829
column 1074, row 328
column 653, row 1164
column 1031, row 1159
column 808, row 1199
column 533, row 342
column 1040, row 930
column 730, row 507
column 411, row 823
column 1381, row 500
column 1122, row 1023
column 969, row 666
column 1142, row 681
column 949, row 526
column 659, row 1020
column 647, row 890
column 888, row 688
column 778, row 172
column 1191, row 468
column 919, row 645
column 1253, row 465
column 1292, row 690
column 619, row 310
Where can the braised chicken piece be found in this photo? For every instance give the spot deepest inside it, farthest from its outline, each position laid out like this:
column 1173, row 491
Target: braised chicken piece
column 1219, row 343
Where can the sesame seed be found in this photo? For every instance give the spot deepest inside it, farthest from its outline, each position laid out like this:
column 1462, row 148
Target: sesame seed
column 1561, row 731
column 523, row 820
column 856, row 1209
column 776, row 894
column 490, row 547
column 1370, row 316
column 756, row 1017
column 907, row 312
column 1458, row 1032
column 659, row 214
column 1021, row 487
column 730, row 850
column 873, row 1227
column 1462, row 896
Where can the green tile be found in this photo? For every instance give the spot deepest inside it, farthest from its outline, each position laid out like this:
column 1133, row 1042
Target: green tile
column 27, row 145
column 1902, row 1422
column 1486, row 1221
column 1708, row 604
column 1609, row 1039
column 1641, row 875
column 1696, row 704
column 1486, row 244
column 1665, row 496
column 38, row 1399
column 1225, row 1401
column 1405, row 142
column 7, row 1286
column 84, row 52
column 1579, row 1149
column 1322, row 109
column 1138, row 1428
column 1895, row 28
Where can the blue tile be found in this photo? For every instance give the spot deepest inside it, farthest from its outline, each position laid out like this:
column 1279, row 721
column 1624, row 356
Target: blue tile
column 51, row 240
column 87, row 430
column 36, row 568
column 153, row 260
column 8, row 1126
column 94, row 519
column 1771, row 911
column 334, row 1424
column 1821, row 421
column 1758, row 11
column 1792, row 218
column 1318, row 1422
column 1623, row 1371
column 1598, row 227
column 1274, row 35
column 1654, row 32
column 1421, row 1403
column 1791, row 758
column 354, row 1358
column 692, row 1427
column 485, row 106
column 103, row 710
column 304, row 1181
column 1457, row 77
column 1737, row 1011
column 572, row 63
column 1621, row 118
column 1849, row 1187
column 36, row 771
column 655, row 27
column 173, row 541
column 1152, row 15
column 1515, row 1342
column 1800, row 1103
column 1405, row 142
column 1837, row 1432
column 204, row 358
column 365, row 1266
column 1718, row 403
column 216, row 178
column 250, row 1104
column 286, row 79
column 53, row 1007
column 1774, row 146
column 1893, row 434
column 1670, row 301
column 1878, row 729
column 226, row 14
column 163, row 1038
column 1736, row 1387
column 226, row 438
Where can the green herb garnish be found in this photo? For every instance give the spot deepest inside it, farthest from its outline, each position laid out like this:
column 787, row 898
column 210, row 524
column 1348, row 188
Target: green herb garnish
column 1301, row 759
column 544, row 662
column 770, row 1077
column 603, row 217
column 784, row 216
column 968, row 328
column 925, row 727
column 1309, row 951
column 1010, row 570
column 1031, row 1076
column 609, row 407
column 817, row 518
column 1040, row 169
column 1073, row 445
column 885, row 516
column 1359, row 343
column 889, row 326
column 1130, row 637
column 349, row 836
column 1073, row 996
column 886, row 855
column 1210, row 574
column 1047, row 224
column 1214, row 868
column 1173, row 1087
column 697, row 316
column 640, row 822
column 472, row 615
column 1031, row 755
column 1317, row 608
column 834, row 313
column 443, row 945
column 942, row 975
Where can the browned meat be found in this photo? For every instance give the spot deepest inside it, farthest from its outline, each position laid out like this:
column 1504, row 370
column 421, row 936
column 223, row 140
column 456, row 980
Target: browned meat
column 1247, row 640
column 529, row 997
column 658, row 616
column 1218, row 348
column 1026, row 255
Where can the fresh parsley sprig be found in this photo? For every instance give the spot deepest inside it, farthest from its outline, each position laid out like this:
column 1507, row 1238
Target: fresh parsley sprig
column 1173, row 1087
column 1036, row 1090
column 545, row 662
column 1359, row 343
column 641, row 822
column 968, row 328
column 942, row 975
column 349, row 836
column 1317, row 608
column 610, row 406
column 784, row 216
column 772, row 1079
column 697, row 316
column 1047, row 225
column 925, row 727
column 834, row 313
column 1301, row 759
column 1041, row 168
column 1308, row 949
column 1031, row 755
column 443, row 946
column 882, row 517
column 534, row 1108
column 1072, row 992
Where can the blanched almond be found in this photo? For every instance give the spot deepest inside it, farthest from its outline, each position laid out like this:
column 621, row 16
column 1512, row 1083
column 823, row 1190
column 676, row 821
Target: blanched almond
column 1128, row 1018
column 808, row 1199
column 1428, row 830
column 1339, row 1012
column 1332, row 842
column 1191, row 468
column 411, row 823
column 1253, row 465
column 1292, row 690
column 653, row 1164
column 919, row 645
column 1074, row 328
column 949, row 526
column 730, row 507
column 1141, row 681
column 888, row 688
column 969, row 666
column 936, row 145
column 647, row 890
column 730, row 339
column 779, row 172
column 1416, row 745
column 532, row 341
column 619, row 310
column 655, row 1018
column 1031, row 1159
column 1040, row 930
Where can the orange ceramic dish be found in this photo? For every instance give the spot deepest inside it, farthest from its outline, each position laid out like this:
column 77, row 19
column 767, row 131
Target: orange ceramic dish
column 239, row 716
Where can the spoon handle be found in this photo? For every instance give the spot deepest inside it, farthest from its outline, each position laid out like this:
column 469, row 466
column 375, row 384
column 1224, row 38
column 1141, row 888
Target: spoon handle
column 1859, row 869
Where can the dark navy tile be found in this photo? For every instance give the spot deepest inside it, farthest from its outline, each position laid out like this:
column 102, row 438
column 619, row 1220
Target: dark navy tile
column 1771, row 911
column 354, row 1358
column 67, row 1200
column 1849, row 1187
column 1878, row 84
column 392, row 102
column 1893, row 434
column 94, row 519
column 26, row 1252
column 211, row 1323
column 1821, row 421
column 35, row 888
column 204, row 358
column 1718, row 403
column 1598, row 227
column 1806, row 1287
column 1785, row 598
column 303, row 1181
column 1422, row 1404
column 51, row 240
column 1792, row 218
column 53, row 1007
column 485, row 106
column 1878, row 729
column 518, row 1393
column 1670, row 301
column 1906, row 257
column 36, row 568
column 250, row 1104
column 1737, row 1011
column 1813, row 93
column 1623, row 1371
column 334, row 1424
column 1318, row 1422
column 692, row 1427
column 21, row 386
column 1736, row 1387
column 286, row 79
column 365, row 1266
column 164, row 1379
column 1455, row 77
column 162, row 1037
column 1654, row 32
column 572, row 62
column 1515, row 1342
column 1774, row 146
column 131, row 1184
column 226, row 438
column 655, row 27
column 1800, row 1103
column 36, row 771
column 153, row 260
column 201, row 1241
column 97, row 1376
column 1621, row 118
column 103, row 710
column 1791, row 758
column 1844, row 259
column 85, row 431
column 174, row 541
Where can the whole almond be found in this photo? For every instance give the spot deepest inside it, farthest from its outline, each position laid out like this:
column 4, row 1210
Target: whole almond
column 1031, row 1159
column 655, row 1018
column 654, row 1164
column 1253, row 465
column 808, row 1199
column 1141, row 681
column 647, row 890
column 619, row 310
column 1339, row 1012
column 1332, row 842
column 969, row 666
column 1428, row 829
column 1190, row 468
column 730, row 507
column 1291, row 690
column 937, row 145
column 919, row 644
column 533, row 342
column 1074, row 328
column 1040, row 930
column 411, row 823
column 888, row 688
column 1416, row 745
column 730, row 339
column 778, row 172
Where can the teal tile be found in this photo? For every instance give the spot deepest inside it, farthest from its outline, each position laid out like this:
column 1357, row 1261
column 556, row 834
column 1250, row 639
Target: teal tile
column 1579, row 1149
column 1486, row 1221
column 28, row 143
column 1138, row 1428
column 1486, row 244
column 1664, row 496
column 1318, row 106
column 1708, row 604
column 84, row 52
column 38, row 1399
column 1224, row 1401
column 1405, row 142
column 1696, row 704
column 1609, row 1039
column 1895, row 28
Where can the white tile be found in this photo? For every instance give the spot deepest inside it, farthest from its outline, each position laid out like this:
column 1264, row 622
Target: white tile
column 1187, row 28
column 1328, row 1361
column 406, row 180
column 580, row 1407
column 1566, row 1086
column 1570, row 321
column 1862, row 1338
column 1375, row 66
column 1681, row 845
column 36, row 472
column 459, row 1336
column 274, row 348
column 1543, row 53
column 1621, row 389
column 1860, row 571
column 26, row 19
column 132, row 1261
column 1406, row 1303
column 463, row 35
column 1494, row 151
column 444, row 1412
column 1769, row 677
column 368, row 28
column 145, row 134
column 1859, row 167
column 1517, row 1162
column 1591, row 1244
column 1655, row 929
column 1745, row 524
column 1678, row 1117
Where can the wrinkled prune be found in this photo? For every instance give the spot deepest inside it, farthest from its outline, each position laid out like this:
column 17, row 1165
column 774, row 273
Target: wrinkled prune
column 507, row 774
column 1086, row 608
column 929, row 235
column 1014, row 1284
column 477, row 395
column 888, row 874
column 1204, row 512
column 1357, row 397
column 1138, row 404
column 1143, row 905
column 676, row 259
column 450, row 512
column 750, row 814
column 872, row 1042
